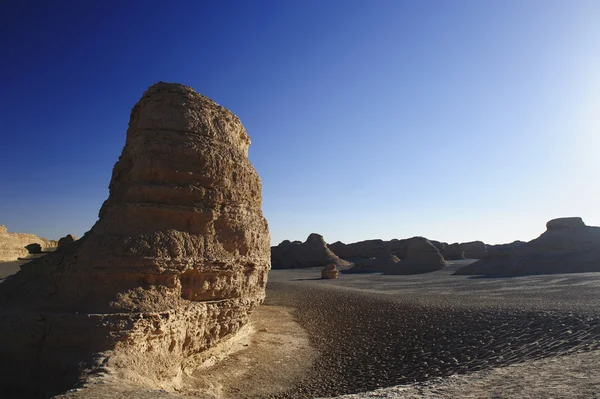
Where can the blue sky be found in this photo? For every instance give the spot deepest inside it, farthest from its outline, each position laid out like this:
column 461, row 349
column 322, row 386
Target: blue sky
column 456, row 120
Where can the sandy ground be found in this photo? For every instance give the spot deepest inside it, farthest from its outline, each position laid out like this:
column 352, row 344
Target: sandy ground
column 427, row 336
column 8, row 268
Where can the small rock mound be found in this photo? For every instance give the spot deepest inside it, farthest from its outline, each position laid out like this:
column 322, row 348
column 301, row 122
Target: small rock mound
column 311, row 253
column 330, row 272
column 66, row 241
column 421, row 257
column 34, row 248
column 567, row 246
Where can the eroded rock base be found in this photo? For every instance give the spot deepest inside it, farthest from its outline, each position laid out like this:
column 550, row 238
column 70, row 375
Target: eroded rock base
column 267, row 357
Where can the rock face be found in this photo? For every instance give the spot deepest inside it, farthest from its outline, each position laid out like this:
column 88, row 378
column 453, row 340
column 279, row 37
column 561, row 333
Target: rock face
column 66, row 241
column 374, row 265
column 473, row 249
column 330, row 272
column 370, row 249
column 567, row 246
column 421, row 257
column 176, row 262
column 453, row 252
column 311, row 253
column 12, row 245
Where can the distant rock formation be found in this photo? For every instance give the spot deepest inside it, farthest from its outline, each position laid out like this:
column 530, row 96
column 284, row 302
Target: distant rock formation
column 330, row 272
column 176, row 262
column 12, row 245
column 453, row 252
column 34, row 248
column 473, row 249
column 421, row 257
column 66, row 241
column 369, row 249
column 567, row 246
column 373, row 265
column 311, row 253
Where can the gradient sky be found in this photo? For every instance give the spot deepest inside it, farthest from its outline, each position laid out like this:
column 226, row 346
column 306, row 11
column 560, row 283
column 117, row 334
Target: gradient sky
column 455, row 120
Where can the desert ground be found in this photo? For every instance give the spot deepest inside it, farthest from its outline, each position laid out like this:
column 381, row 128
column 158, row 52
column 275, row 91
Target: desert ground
column 423, row 336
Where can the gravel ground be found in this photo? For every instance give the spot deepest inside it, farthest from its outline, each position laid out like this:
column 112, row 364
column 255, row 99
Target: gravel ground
column 378, row 331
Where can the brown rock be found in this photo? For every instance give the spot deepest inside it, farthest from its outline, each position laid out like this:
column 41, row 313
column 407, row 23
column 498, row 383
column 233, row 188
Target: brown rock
column 473, row 249
column 567, row 246
column 12, row 245
column 330, row 271
column 421, row 257
column 453, row 252
column 311, row 253
column 176, row 262
column 66, row 241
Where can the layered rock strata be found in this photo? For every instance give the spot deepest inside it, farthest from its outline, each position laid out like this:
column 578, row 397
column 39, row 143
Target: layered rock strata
column 330, row 272
column 567, row 246
column 12, row 245
column 311, row 253
column 176, row 262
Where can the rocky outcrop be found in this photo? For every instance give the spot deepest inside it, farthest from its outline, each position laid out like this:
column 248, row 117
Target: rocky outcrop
column 370, row 249
column 373, row 265
column 453, row 252
column 473, row 249
column 421, row 257
column 330, row 272
column 12, row 245
column 311, row 253
column 66, row 241
column 175, row 264
column 567, row 246
column 34, row 248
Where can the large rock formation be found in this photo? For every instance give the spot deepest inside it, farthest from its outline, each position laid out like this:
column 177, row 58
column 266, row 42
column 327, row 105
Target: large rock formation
column 374, row 265
column 473, row 249
column 311, row 253
column 176, row 262
column 12, row 245
column 421, row 257
column 370, row 249
column 567, row 246
column 453, row 252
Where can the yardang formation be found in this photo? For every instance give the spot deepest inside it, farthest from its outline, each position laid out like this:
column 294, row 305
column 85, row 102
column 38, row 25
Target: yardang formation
column 176, row 262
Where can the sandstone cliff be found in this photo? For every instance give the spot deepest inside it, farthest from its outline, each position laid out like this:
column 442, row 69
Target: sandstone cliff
column 176, row 262
column 567, row 246
column 12, row 245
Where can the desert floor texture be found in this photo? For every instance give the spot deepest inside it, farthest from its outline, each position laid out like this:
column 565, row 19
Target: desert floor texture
column 424, row 336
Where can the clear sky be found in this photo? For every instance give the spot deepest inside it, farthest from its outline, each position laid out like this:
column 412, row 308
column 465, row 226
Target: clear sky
column 455, row 120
